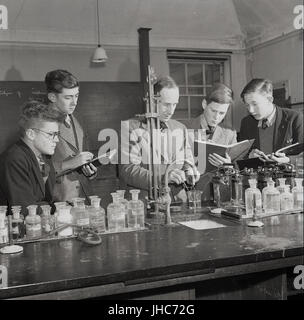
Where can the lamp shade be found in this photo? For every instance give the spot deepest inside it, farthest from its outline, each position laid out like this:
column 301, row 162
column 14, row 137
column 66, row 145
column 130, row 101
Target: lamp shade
column 99, row 55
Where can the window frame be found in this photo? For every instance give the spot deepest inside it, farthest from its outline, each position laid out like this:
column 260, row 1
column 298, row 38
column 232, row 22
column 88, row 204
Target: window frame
column 203, row 61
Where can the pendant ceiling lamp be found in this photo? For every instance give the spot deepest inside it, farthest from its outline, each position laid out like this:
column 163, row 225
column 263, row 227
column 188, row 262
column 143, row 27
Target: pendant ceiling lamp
column 100, row 54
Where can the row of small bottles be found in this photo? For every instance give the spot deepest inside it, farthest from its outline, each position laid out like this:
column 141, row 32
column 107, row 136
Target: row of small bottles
column 121, row 214
column 273, row 199
column 31, row 226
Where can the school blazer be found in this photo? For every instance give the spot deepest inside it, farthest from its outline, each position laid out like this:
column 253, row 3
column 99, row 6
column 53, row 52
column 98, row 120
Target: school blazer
column 74, row 184
column 21, row 182
column 221, row 135
column 288, row 129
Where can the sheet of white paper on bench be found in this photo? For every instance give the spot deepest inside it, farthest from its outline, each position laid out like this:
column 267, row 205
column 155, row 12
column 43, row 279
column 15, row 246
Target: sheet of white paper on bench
column 202, row 224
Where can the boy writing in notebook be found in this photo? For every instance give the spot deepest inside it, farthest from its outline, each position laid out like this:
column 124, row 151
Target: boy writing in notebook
column 71, row 152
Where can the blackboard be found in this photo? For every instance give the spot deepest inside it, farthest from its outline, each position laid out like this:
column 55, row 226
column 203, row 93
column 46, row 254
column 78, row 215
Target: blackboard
column 100, row 105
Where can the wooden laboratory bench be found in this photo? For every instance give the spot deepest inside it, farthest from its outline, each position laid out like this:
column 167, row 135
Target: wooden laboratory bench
column 176, row 262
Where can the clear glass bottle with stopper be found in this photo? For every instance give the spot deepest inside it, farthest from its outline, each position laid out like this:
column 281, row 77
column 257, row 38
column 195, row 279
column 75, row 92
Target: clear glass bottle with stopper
column 116, row 214
column 97, row 216
column 297, row 193
column 3, row 225
column 18, row 226
column 237, row 197
column 136, row 213
column 281, row 186
column 80, row 214
column 271, row 198
column 32, row 223
column 47, row 221
column 124, row 202
column 253, row 199
column 286, row 199
column 64, row 217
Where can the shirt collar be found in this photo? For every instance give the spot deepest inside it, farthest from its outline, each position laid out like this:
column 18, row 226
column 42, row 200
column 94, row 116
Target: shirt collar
column 270, row 119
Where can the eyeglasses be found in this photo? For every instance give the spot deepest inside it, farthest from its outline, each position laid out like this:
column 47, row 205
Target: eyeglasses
column 52, row 135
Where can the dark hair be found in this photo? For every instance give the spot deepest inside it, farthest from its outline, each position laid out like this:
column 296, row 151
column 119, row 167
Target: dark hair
column 37, row 111
column 164, row 82
column 57, row 80
column 263, row 86
column 220, row 93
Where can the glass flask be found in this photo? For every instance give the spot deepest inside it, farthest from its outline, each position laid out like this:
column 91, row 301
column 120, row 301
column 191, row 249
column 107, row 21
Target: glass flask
column 136, row 213
column 97, row 216
column 32, row 222
column 297, row 193
column 116, row 214
column 286, row 199
column 271, row 198
column 253, row 199
column 18, row 226
column 64, row 217
column 124, row 202
column 3, row 225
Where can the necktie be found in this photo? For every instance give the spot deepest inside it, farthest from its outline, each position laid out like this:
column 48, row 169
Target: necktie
column 44, row 167
column 264, row 123
column 163, row 125
column 210, row 130
column 67, row 122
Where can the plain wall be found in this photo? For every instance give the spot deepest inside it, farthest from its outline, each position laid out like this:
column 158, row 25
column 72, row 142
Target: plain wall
column 279, row 60
column 31, row 62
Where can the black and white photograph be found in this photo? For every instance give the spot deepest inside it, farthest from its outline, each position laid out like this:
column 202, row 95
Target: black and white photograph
column 151, row 150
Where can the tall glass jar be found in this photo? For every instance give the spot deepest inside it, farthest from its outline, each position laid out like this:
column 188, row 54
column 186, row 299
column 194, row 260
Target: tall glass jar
column 18, row 226
column 124, row 202
column 136, row 214
column 3, row 225
column 297, row 192
column 33, row 223
column 286, row 199
column 253, row 199
column 97, row 216
column 64, row 218
column 271, row 198
column 116, row 214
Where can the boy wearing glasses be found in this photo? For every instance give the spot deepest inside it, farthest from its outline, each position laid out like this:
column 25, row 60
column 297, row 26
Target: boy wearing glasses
column 63, row 91
column 26, row 173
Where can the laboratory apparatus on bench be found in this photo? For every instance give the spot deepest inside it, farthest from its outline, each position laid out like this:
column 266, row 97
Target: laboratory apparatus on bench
column 3, row 225
column 116, row 214
column 271, row 198
column 286, row 199
column 97, row 216
column 33, row 223
column 136, row 212
column 18, row 226
column 297, row 193
column 80, row 214
column 64, row 217
column 253, row 199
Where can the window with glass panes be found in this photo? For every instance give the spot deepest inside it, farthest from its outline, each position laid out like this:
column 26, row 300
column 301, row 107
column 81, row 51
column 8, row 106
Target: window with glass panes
column 195, row 79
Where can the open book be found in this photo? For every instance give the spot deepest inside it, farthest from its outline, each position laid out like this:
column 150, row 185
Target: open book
column 97, row 161
column 235, row 151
